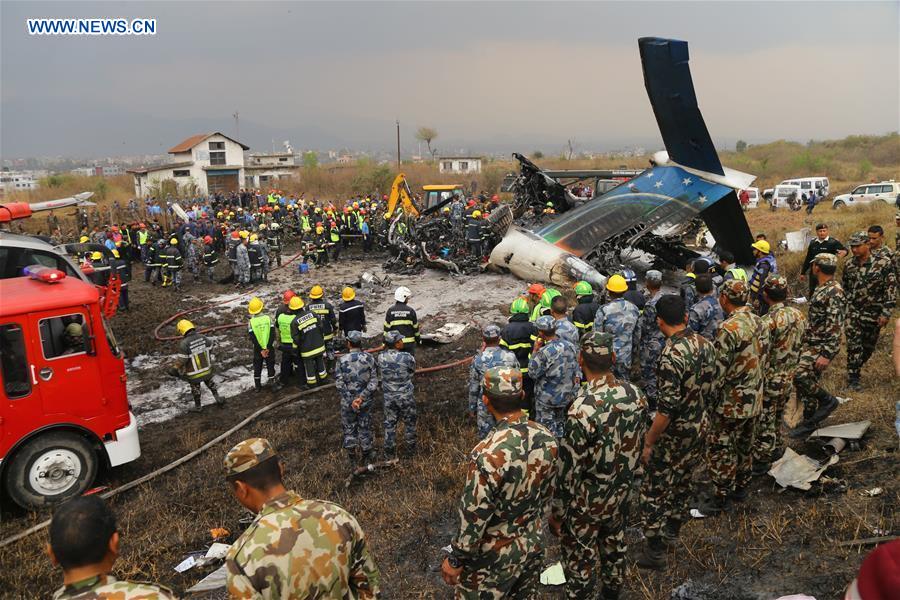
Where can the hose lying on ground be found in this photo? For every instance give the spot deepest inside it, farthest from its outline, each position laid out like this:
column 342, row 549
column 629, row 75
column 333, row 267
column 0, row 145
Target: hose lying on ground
column 250, row 418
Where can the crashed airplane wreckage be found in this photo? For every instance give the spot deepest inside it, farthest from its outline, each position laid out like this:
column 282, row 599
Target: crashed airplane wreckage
column 651, row 212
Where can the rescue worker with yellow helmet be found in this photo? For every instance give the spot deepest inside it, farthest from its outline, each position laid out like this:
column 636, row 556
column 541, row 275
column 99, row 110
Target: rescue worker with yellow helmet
column 475, row 235
column 195, row 364
column 324, row 311
column 172, row 263
column 351, row 313
column 620, row 318
column 307, row 337
column 262, row 334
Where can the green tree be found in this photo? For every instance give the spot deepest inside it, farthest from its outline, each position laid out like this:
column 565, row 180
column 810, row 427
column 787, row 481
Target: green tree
column 427, row 135
column 310, row 160
column 537, row 154
column 100, row 188
column 865, row 167
column 491, row 178
column 741, row 146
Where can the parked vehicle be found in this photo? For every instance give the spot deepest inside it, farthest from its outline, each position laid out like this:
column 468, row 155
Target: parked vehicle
column 885, row 191
column 752, row 197
column 786, row 196
column 806, row 185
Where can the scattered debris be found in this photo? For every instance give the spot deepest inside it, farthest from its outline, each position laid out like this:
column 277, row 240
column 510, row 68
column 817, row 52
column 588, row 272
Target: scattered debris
column 797, row 241
column 846, row 431
column 187, row 563
column 448, row 549
column 696, row 514
column 798, row 470
column 219, row 533
column 370, row 468
column 446, row 334
column 876, row 491
column 214, row 581
column 217, row 551
column 553, row 575
column 871, row 540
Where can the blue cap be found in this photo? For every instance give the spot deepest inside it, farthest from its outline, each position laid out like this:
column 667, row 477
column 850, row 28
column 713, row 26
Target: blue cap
column 545, row 323
column 392, row 337
column 354, row 337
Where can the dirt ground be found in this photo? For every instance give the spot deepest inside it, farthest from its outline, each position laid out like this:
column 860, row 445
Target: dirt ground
column 777, row 542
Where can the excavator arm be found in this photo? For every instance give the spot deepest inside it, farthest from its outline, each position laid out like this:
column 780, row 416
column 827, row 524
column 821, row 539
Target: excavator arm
column 400, row 193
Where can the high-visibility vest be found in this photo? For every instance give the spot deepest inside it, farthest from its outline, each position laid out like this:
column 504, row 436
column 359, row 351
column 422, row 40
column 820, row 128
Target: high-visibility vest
column 261, row 326
column 284, row 327
column 738, row 273
column 143, row 237
column 335, row 236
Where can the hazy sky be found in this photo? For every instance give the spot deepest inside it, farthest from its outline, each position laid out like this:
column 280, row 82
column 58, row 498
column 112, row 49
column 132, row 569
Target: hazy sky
column 488, row 76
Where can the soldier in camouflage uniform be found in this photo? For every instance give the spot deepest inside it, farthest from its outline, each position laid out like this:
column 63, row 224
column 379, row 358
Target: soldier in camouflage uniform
column 821, row 343
column 705, row 314
column 652, row 340
column 395, row 370
column 491, row 355
column 785, row 325
column 84, row 540
column 295, row 548
column 356, row 380
column 565, row 329
column 620, row 318
column 740, row 354
column 673, row 447
column 497, row 552
column 870, row 284
column 598, row 455
column 554, row 369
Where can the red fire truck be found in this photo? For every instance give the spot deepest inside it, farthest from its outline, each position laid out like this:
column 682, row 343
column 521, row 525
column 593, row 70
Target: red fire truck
column 64, row 412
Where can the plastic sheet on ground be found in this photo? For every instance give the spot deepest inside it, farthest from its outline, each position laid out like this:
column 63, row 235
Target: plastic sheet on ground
column 446, row 333
column 213, row 581
column 798, row 470
column 553, row 575
column 847, row 431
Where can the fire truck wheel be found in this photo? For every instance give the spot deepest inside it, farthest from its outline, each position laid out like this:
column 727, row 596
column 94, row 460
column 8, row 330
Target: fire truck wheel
column 50, row 469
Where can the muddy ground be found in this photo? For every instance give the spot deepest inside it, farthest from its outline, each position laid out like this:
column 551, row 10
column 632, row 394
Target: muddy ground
column 777, row 542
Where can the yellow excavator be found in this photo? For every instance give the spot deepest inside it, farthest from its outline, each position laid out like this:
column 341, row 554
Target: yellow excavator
column 435, row 196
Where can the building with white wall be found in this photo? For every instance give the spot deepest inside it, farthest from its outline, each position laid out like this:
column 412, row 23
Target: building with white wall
column 459, row 164
column 263, row 170
column 17, row 181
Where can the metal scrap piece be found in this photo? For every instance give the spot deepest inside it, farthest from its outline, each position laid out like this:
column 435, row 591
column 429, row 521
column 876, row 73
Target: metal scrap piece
column 847, row 431
column 798, row 470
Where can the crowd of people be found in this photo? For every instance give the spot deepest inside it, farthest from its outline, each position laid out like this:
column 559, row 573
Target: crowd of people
column 591, row 414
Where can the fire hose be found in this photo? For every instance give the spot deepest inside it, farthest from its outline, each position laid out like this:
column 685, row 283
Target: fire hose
column 216, row 440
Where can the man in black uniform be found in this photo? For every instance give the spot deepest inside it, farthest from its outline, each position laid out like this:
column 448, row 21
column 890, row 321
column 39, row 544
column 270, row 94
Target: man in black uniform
column 310, row 345
column 324, row 312
column 586, row 309
column 518, row 336
column 402, row 319
column 351, row 313
column 822, row 244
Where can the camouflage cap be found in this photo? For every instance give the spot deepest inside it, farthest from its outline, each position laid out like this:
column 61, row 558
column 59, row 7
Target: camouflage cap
column 247, row 455
column 354, row 337
column 653, row 275
column 392, row 337
column 735, row 290
column 858, row 239
column 825, row 259
column 491, row 332
column 502, row 381
column 545, row 323
column 597, row 343
column 776, row 282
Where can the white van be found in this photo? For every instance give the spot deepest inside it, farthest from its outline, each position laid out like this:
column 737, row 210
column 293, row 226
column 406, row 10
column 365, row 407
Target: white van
column 782, row 194
column 886, row 191
column 752, row 196
column 806, row 184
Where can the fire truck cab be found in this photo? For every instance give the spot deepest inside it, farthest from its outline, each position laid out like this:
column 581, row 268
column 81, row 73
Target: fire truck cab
column 64, row 412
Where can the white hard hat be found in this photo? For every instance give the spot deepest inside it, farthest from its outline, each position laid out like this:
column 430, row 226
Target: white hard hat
column 402, row 294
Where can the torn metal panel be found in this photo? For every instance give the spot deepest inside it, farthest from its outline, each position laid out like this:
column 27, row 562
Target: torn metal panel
column 847, row 431
column 798, row 470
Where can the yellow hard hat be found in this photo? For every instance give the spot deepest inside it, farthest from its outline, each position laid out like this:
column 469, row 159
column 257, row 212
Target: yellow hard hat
column 476, row 214
column 183, row 326
column 84, row 239
column 319, row 229
column 316, row 292
column 96, row 256
column 762, row 246
column 348, row 294
column 244, row 234
column 255, row 306
column 617, row 284
column 174, row 241
column 253, row 237
column 296, row 303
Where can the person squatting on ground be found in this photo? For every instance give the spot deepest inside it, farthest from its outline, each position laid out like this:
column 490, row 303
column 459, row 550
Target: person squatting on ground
column 620, row 318
column 356, row 379
column 740, row 353
column 497, row 551
column 195, row 365
column 491, row 355
column 598, row 455
column 554, row 369
column 673, row 447
column 395, row 371
column 84, row 542
column 786, row 326
column 295, row 548
column 262, row 334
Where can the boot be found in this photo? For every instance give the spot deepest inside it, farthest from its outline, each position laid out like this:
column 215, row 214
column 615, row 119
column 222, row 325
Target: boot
column 712, row 504
column 257, row 384
column 739, row 494
column 761, row 468
column 220, row 401
column 390, row 453
column 610, row 593
column 803, row 429
column 670, row 531
column 826, row 407
column 196, row 407
column 654, row 554
column 368, row 457
column 853, row 383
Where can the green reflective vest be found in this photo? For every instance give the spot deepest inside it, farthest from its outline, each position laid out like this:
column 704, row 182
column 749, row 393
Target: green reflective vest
column 143, row 236
column 261, row 326
column 284, row 328
column 738, row 274
column 335, row 236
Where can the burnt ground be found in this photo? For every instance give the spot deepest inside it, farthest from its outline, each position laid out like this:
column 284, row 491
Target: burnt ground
column 777, row 542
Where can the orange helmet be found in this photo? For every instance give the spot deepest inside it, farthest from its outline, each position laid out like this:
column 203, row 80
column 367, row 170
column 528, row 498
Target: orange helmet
column 286, row 297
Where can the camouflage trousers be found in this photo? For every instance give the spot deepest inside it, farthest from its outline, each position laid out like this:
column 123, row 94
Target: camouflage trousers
column 516, row 580
column 668, row 487
column 810, row 392
column 196, row 391
column 648, row 378
column 399, row 407
column 356, row 426
column 622, row 371
column 862, row 336
column 210, row 273
column 590, row 552
column 242, row 275
column 729, row 453
column 768, row 424
column 485, row 420
column 551, row 417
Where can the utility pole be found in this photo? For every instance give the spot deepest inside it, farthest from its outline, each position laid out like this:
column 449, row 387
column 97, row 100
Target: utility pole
column 237, row 125
column 398, row 144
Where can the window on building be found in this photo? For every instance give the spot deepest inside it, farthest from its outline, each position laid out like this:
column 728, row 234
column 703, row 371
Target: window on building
column 447, row 165
column 463, row 165
column 181, row 173
column 217, row 145
column 217, row 158
column 282, row 159
column 13, row 361
column 58, row 339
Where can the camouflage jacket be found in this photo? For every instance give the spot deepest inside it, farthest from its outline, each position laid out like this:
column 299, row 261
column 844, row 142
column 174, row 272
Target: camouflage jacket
column 684, row 380
column 566, row 330
column 600, row 450
column 489, row 357
column 508, row 487
column 705, row 316
column 355, row 376
column 620, row 318
column 825, row 320
column 300, row 548
column 107, row 588
column 554, row 369
column 786, row 326
column 395, row 370
column 870, row 288
column 740, row 357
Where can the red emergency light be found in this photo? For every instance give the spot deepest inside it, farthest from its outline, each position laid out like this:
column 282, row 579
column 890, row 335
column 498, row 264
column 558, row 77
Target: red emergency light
column 45, row 274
